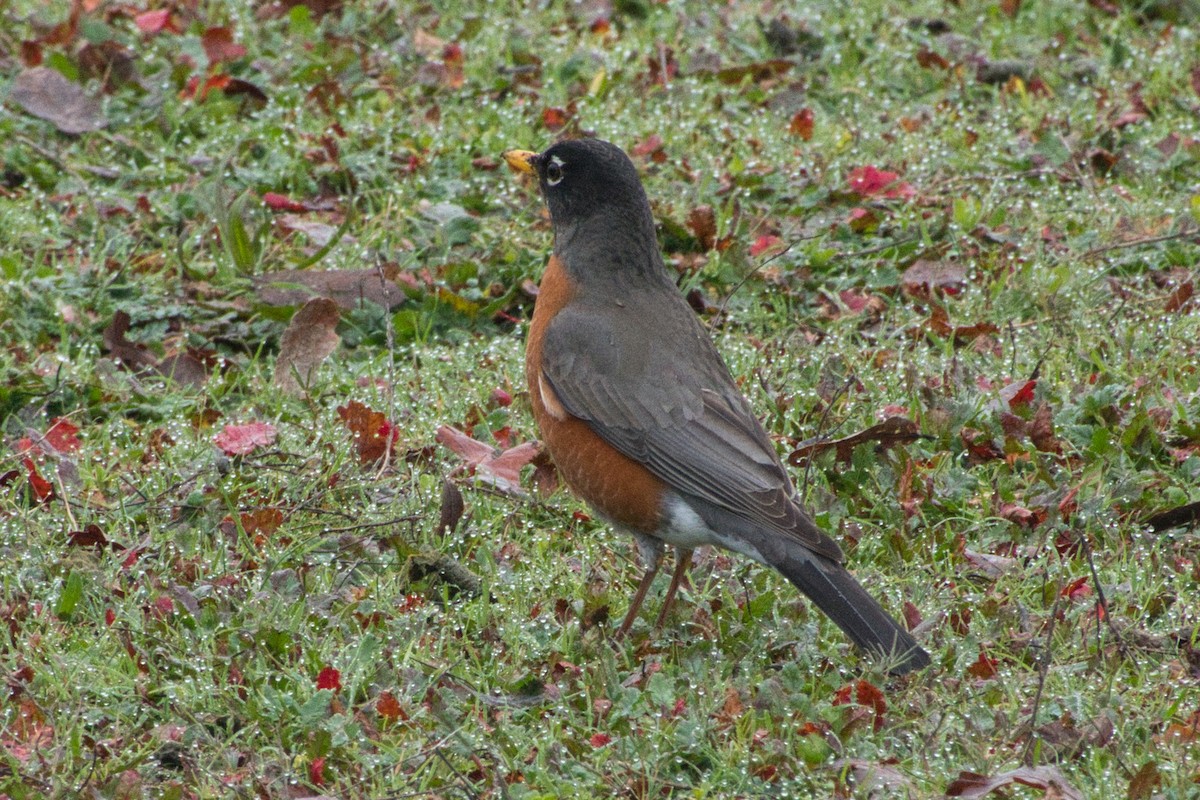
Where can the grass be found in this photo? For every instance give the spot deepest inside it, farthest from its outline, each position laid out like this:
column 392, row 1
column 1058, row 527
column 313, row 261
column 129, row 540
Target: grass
column 184, row 623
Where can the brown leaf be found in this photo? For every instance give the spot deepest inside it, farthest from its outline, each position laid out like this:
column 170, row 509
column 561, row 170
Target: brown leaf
column 308, row 340
column 972, row 784
column 451, row 510
column 374, row 435
column 993, row 566
column 980, row 447
column 874, row 779
column 702, row 222
column 1180, row 298
column 47, row 94
column 347, row 287
column 189, row 368
column 891, row 432
column 1019, row 514
column 133, row 355
column 928, row 59
column 802, row 124
column 756, row 72
column 219, row 45
column 1041, row 431
column 924, row 277
column 1148, row 778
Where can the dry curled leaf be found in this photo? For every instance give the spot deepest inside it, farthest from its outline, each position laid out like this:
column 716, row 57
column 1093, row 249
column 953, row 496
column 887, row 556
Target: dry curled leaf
column 47, row 94
column 309, row 339
column 889, row 433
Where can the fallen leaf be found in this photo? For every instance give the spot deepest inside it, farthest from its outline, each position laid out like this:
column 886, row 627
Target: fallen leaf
column 219, row 45
column 451, row 510
column 924, row 277
column 1018, row 393
column 329, row 678
column 992, row 566
column 702, row 222
column 132, row 355
column 980, row 447
column 374, row 434
column 891, row 432
column 347, row 287
column 972, row 784
column 873, row 778
column 1041, row 431
column 309, row 339
column 802, row 124
column 984, row 667
column 388, row 707
column 47, row 94
column 157, row 21
column 870, row 181
column 766, row 244
column 1147, row 778
column 499, row 469
column 756, row 72
column 240, row 440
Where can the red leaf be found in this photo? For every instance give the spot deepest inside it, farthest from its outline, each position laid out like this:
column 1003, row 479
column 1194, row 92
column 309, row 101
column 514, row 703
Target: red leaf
column 219, row 45
column 555, row 119
column 61, row 435
column 110, row 617
column 91, row 536
column 984, row 667
column 1077, row 589
column 329, row 678
column 870, row 181
column 239, row 440
column 316, row 771
column 802, row 124
column 42, row 489
column 374, row 435
column 1018, row 393
column 499, row 469
column 501, row 398
column 388, row 707
column 1015, row 512
column 764, row 243
column 865, row 694
column 280, row 202
column 200, row 91
column 647, row 146
column 599, row 739
column 153, row 22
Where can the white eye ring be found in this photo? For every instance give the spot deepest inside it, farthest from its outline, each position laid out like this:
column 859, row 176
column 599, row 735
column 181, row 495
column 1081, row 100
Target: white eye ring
column 554, row 171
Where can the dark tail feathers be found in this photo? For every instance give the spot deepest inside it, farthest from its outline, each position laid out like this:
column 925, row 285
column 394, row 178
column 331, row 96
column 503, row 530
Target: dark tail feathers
column 836, row 592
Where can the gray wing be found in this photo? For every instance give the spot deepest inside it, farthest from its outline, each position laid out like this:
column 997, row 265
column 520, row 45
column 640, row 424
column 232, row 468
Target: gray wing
column 669, row 402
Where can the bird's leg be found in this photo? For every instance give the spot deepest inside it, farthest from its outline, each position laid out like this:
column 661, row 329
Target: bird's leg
column 683, row 559
column 650, row 550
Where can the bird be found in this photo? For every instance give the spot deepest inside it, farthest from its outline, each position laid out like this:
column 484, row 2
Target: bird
column 641, row 414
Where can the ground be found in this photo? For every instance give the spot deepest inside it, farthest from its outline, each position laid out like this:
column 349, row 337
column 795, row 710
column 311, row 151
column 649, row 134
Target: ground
column 256, row 546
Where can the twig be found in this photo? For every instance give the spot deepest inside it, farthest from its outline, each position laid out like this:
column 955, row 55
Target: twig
column 1043, row 671
column 1096, row 251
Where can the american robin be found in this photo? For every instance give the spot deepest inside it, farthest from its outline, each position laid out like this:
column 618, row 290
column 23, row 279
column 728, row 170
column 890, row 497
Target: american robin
column 641, row 414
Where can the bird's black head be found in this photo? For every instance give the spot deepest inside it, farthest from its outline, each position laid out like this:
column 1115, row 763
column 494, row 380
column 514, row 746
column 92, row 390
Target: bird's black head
column 582, row 178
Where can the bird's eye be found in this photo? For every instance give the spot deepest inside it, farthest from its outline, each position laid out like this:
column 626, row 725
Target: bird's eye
column 554, row 172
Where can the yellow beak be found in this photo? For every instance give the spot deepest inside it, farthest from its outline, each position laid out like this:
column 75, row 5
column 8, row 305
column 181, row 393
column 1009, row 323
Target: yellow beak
column 521, row 160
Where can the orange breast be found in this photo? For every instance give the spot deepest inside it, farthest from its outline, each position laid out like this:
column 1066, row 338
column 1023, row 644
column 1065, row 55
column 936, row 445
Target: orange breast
column 618, row 487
